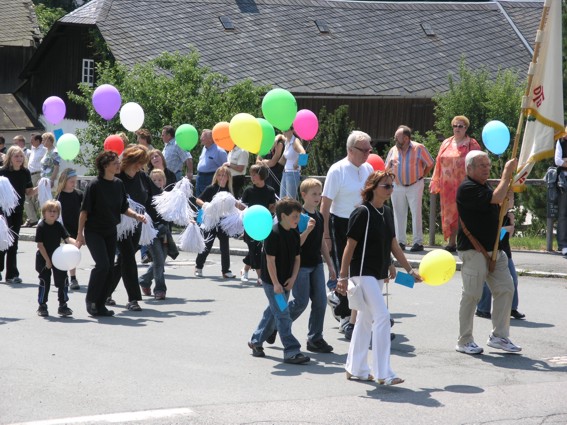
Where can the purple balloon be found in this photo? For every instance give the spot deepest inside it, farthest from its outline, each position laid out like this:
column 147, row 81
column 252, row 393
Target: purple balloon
column 54, row 109
column 106, row 101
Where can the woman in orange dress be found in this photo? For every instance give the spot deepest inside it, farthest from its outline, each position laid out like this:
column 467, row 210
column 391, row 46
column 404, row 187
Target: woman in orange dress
column 448, row 174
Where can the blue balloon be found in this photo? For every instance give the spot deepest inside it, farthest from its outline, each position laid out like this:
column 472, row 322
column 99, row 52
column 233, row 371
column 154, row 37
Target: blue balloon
column 496, row 137
column 257, row 222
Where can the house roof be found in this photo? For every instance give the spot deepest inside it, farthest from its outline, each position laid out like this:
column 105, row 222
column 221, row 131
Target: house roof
column 13, row 116
column 371, row 49
column 18, row 24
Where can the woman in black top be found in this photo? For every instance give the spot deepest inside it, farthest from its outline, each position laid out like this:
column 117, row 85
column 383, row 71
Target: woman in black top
column 222, row 182
column 373, row 269
column 104, row 201
column 15, row 170
column 140, row 188
column 275, row 162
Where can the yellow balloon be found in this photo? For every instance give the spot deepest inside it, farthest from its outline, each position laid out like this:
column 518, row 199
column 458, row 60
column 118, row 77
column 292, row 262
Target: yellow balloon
column 246, row 132
column 437, row 267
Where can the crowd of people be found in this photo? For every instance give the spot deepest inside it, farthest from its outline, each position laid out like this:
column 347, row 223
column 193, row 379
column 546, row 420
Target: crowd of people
column 348, row 226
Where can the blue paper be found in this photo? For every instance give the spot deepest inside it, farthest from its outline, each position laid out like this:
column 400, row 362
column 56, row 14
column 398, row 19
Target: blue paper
column 282, row 302
column 302, row 159
column 199, row 216
column 58, row 132
column 502, row 233
column 303, row 220
column 405, row 279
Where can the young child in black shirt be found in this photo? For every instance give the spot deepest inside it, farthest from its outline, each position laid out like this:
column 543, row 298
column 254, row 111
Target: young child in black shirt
column 48, row 236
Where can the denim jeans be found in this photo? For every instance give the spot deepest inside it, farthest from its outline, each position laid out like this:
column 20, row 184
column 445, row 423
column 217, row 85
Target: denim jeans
column 290, row 183
column 310, row 284
column 158, row 251
column 485, row 303
column 562, row 221
column 272, row 319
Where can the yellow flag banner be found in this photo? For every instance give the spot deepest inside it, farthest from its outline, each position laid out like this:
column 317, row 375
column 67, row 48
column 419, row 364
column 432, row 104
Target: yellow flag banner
column 543, row 107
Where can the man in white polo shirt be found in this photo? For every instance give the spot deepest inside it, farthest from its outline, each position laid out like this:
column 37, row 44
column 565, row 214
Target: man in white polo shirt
column 31, row 205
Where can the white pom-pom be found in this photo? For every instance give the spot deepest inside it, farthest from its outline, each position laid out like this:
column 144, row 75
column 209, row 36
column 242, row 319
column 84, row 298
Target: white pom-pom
column 8, row 196
column 220, row 206
column 232, row 224
column 44, row 191
column 185, row 186
column 6, row 234
column 191, row 240
column 127, row 225
column 174, row 206
column 148, row 233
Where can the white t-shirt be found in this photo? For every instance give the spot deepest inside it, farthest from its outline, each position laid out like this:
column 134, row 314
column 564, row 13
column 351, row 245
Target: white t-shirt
column 238, row 156
column 291, row 156
column 36, row 155
column 343, row 185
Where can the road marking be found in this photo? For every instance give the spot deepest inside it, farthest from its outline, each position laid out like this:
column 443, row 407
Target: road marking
column 115, row 417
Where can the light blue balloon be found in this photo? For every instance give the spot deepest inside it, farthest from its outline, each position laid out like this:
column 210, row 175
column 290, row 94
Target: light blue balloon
column 257, row 222
column 496, row 137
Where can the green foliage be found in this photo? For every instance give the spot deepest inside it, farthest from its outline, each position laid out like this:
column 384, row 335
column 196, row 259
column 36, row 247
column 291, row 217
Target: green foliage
column 47, row 16
column 172, row 89
column 330, row 143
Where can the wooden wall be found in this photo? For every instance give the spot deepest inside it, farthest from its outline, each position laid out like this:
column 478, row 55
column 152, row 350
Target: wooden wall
column 12, row 62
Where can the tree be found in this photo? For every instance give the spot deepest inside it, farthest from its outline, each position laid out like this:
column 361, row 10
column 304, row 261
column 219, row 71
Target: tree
column 172, row 89
column 47, row 16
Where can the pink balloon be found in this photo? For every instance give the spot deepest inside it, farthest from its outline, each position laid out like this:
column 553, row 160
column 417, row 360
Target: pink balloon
column 107, row 101
column 305, row 124
column 376, row 162
column 54, row 109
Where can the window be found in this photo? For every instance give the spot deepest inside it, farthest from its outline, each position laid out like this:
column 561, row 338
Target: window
column 88, row 72
column 322, row 26
column 227, row 23
column 427, row 29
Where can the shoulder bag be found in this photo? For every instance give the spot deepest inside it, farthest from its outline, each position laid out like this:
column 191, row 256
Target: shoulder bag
column 354, row 291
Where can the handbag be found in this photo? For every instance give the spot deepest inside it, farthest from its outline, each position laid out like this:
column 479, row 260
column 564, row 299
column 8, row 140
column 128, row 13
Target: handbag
column 354, row 290
column 478, row 247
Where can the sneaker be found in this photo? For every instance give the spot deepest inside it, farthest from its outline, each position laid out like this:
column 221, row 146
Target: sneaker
column 517, row 315
column 146, row 259
column 451, row 248
column 91, row 309
column 74, row 284
column 109, row 301
column 146, row 291
column 297, row 359
column 198, row 272
column 103, row 311
column 564, row 251
column 14, row 280
column 319, row 346
column 349, row 329
column 42, row 310
column 403, row 246
column 64, row 311
column 483, row 314
column 503, row 344
column 228, row 275
column 469, row 348
column 256, row 351
column 416, row 247
column 343, row 324
column 272, row 338
column 160, row 295
column 133, row 306
column 243, row 275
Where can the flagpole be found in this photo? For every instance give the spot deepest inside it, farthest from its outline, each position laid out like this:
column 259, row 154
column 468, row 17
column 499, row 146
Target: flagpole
column 531, row 71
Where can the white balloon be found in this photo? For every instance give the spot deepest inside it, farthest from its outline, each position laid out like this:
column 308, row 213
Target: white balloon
column 66, row 257
column 132, row 116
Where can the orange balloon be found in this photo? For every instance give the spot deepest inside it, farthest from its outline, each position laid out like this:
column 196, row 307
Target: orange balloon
column 221, row 136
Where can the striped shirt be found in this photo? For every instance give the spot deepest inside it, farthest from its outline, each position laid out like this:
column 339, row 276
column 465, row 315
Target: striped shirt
column 410, row 166
column 175, row 157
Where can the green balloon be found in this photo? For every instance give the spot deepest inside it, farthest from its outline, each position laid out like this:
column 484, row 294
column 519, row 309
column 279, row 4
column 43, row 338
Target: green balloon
column 68, row 146
column 279, row 108
column 268, row 136
column 186, row 137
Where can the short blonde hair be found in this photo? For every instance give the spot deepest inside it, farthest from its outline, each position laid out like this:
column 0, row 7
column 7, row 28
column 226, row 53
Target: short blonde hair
column 461, row 118
column 51, row 205
column 308, row 184
column 158, row 172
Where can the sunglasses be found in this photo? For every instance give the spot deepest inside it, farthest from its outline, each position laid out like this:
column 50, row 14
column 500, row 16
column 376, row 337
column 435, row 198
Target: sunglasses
column 363, row 150
column 458, row 126
column 386, row 186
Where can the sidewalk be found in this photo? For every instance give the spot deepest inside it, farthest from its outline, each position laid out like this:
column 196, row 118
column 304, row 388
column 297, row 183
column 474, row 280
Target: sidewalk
column 528, row 263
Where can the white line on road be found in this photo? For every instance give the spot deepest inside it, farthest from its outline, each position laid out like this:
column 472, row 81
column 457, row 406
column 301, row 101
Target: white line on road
column 115, row 417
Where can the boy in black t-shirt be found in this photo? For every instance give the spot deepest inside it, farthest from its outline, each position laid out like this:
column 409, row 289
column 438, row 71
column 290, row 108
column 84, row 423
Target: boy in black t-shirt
column 48, row 236
column 280, row 265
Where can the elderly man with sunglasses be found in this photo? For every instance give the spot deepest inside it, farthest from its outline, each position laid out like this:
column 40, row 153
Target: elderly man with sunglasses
column 410, row 162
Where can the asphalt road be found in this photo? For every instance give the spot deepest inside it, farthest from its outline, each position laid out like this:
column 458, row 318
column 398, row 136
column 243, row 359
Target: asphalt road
column 185, row 360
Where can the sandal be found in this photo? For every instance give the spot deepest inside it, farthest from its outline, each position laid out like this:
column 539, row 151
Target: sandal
column 350, row 376
column 133, row 306
column 391, row 381
column 110, row 301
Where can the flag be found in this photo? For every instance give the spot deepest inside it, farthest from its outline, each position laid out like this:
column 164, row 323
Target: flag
column 543, row 106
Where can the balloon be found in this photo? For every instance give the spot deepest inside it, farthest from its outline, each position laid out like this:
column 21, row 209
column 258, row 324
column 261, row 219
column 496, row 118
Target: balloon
column 246, row 132
column 68, row 146
column 132, row 116
column 279, row 108
column 186, row 137
column 268, row 136
column 221, row 136
column 257, row 222
column 66, row 257
column 496, row 137
column 114, row 143
column 106, row 101
column 376, row 162
column 306, row 124
column 54, row 109
column 437, row 267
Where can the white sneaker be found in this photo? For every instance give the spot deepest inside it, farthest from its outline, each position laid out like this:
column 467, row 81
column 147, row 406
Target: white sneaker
column 343, row 323
column 564, row 251
column 199, row 272
column 469, row 348
column 243, row 275
column 502, row 344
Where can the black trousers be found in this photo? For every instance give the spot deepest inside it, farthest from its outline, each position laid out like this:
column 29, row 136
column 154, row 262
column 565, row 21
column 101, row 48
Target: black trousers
column 11, row 254
column 44, row 275
column 238, row 183
column 254, row 256
column 103, row 250
column 126, row 268
column 210, row 236
column 338, row 229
